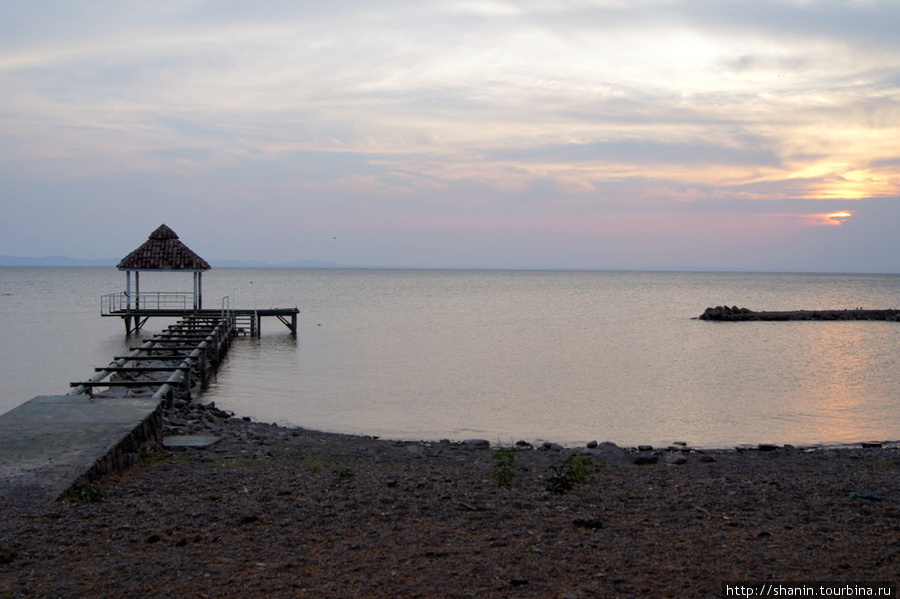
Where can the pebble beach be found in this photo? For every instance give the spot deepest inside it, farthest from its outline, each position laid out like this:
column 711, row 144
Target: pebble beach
column 270, row 511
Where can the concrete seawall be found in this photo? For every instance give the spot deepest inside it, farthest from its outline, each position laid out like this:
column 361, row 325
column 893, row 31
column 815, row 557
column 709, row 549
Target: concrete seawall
column 50, row 444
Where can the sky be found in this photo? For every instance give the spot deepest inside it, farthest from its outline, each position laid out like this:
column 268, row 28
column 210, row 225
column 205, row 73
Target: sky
column 608, row 134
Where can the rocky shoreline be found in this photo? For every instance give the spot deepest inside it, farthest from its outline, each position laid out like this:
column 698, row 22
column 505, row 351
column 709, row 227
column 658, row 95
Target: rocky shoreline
column 269, row 511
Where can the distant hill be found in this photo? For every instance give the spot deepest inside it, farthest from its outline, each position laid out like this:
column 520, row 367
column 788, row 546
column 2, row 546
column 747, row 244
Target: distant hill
column 53, row 261
column 260, row 264
column 66, row 261
column 312, row 264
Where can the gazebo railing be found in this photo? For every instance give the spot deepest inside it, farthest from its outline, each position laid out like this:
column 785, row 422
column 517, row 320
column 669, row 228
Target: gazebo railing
column 117, row 303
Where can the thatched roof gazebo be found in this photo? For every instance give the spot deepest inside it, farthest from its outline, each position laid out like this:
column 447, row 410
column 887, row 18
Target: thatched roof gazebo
column 162, row 251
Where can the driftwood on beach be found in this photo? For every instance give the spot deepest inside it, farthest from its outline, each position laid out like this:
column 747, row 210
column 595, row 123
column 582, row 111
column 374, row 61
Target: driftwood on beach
column 733, row 313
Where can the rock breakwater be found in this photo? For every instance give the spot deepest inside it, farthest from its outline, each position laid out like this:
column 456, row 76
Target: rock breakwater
column 733, row 313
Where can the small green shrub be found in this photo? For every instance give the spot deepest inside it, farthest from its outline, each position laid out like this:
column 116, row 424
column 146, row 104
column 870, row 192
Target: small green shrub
column 147, row 455
column 343, row 475
column 87, row 493
column 504, row 466
column 566, row 475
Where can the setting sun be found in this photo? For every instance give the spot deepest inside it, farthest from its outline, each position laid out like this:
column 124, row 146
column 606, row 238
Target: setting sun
column 833, row 219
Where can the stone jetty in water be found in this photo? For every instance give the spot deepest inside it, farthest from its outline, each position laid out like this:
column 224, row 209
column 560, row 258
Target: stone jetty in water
column 733, row 313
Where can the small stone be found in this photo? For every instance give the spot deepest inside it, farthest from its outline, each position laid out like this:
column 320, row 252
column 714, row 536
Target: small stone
column 766, row 447
column 588, row 523
column 524, row 445
column 706, row 458
column 677, row 460
column 548, row 446
column 869, row 496
column 476, row 443
column 644, row 460
column 591, row 444
column 645, row 448
column 608, row 446
column 190, row 441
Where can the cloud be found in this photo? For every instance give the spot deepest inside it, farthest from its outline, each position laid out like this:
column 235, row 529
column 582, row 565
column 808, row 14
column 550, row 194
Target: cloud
column 661, row 116
column 645, row 152
column 860, row 24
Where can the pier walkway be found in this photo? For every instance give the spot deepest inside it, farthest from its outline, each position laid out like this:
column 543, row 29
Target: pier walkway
column 53, row 443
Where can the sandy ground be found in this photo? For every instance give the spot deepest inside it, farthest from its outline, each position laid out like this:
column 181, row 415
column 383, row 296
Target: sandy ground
column 278, row 512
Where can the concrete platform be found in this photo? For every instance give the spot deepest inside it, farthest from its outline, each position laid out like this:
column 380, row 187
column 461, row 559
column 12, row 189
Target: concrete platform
column 50, row 442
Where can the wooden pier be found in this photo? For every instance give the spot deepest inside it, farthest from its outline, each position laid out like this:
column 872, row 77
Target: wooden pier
column 52, row 443
column 171, row 360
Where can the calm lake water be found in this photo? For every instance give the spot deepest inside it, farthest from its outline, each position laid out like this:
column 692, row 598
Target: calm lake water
column 502, row 355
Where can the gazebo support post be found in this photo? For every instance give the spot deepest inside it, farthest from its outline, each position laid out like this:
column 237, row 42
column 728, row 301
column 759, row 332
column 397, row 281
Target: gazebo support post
column 198, row 290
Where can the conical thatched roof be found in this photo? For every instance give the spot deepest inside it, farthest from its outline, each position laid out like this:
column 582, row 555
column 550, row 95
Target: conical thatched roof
column 163, row 251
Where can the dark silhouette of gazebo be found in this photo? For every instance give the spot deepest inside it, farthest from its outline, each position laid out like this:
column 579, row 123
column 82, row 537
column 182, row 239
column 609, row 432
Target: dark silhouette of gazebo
column 162, row 251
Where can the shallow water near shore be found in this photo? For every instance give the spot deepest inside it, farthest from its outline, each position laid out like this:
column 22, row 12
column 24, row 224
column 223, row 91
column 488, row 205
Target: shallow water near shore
column 502, row 355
